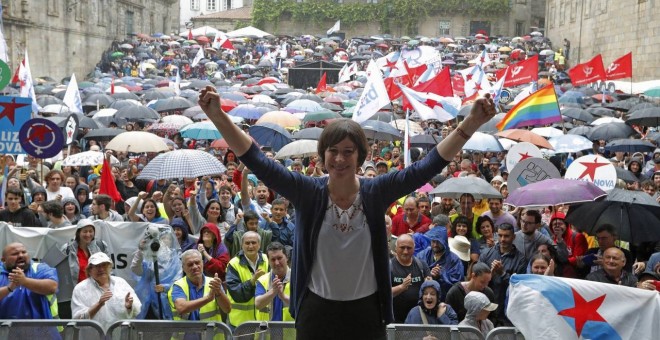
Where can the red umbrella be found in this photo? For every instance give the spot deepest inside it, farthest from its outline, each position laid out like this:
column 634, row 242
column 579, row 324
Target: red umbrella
column 599, row 97
column 227, row 104
column 382, row 46
column 268, row 80
column 220, row 144
column 202, row 40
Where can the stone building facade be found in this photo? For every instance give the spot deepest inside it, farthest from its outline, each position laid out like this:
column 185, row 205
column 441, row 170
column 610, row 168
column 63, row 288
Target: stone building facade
column 611, row 28
column 69, row 36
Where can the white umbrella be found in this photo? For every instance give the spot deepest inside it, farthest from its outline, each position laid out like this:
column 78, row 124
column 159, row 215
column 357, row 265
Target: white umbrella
column 606, row 120
column 483, row 142
column 182, row 164
column 457, row 186
column 137, row 141
column 87, row 158
column 570, row 143
column 176, row 119
column 299, row 148
column 262, row 98
column 547, row 132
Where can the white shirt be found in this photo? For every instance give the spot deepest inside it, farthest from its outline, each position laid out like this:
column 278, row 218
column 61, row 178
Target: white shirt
column 343, row 268
column 64, row 191
column 87, row 293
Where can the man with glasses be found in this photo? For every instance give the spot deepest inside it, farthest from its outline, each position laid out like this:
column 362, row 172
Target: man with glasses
column 592, row 260
column 528, row 238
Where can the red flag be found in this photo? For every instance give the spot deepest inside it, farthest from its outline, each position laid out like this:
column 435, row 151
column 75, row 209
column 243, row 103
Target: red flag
column 112, row 86
column 440, row 85
column 620, row 68
column 17, row 77
column 322, row 86
column 523, row 72
column 458, row 84
column 587, row 73
column 108, row 186
column 398, row 75
column 190, row 36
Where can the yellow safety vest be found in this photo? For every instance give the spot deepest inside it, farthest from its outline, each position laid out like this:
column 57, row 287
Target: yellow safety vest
column 52, row 301
column 244, row 311
column 208, row 312
column 264, row 314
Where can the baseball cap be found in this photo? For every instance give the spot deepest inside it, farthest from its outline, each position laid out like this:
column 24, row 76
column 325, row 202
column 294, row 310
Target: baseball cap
column 480, row 301
column 98, row 258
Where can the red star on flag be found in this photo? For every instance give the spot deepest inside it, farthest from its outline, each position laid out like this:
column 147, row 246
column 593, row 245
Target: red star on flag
column 468, row 77
column 431, row 103
column 591, row 169
column 390, row 64
column 9, row 110
column 583, row 311
column 524, row 156
column 482, row 60
column 477, row 87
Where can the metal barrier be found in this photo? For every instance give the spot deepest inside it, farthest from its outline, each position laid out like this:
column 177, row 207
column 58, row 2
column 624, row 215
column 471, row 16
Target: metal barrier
column 166, row 329
column 48, row 329
column 439, row 332
column 273, row 330
column 505, row 333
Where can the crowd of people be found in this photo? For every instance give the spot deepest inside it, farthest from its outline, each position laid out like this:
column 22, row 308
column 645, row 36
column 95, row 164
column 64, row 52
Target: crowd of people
column 349, row 231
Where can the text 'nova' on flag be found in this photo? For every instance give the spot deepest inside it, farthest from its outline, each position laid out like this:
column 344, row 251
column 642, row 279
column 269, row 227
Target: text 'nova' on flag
column 540, row 108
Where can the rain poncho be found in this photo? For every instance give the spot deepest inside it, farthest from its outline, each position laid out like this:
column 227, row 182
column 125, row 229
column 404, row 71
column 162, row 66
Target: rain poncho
column 169, row 270
column 415, row 317
column 475, row 302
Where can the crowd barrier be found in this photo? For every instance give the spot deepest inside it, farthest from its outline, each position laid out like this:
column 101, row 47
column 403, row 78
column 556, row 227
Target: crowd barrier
column 505, row 333
column 254, row 330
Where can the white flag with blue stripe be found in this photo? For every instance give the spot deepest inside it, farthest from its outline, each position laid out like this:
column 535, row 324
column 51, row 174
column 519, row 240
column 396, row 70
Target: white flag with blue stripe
column 431, row 106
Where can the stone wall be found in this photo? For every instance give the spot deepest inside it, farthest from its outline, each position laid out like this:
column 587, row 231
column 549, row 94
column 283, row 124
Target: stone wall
column 65, row 37
column 611, row 28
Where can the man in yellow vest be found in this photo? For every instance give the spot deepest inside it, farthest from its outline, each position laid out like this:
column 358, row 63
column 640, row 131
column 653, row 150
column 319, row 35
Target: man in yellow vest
column 243, row 271
column 274, row 289
column 195, row 296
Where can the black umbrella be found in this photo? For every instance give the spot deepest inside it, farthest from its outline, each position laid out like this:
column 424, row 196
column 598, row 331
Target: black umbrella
column 199, row 84
column 123, row 103
column 635, row 214
column 103, row 134
column 380, row 130
column 578, row 114
column 646, row 117
column 135, row 113
column 629, row 145
column 100, row 99
column 425, row 141
column 44, row 100
column 610, row 131
column 642, row 106
column 125, row 95
column 625, row 175
column 308, row 133
column 654, row 136
column 159, row 93
column 580, row 130
column 601, row 111
column 172, row 104
column 624, row 105
column 490, row 125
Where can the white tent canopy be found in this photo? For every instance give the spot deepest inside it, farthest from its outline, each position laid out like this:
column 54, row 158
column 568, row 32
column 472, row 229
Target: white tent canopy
column 248, row 32
column 204, row 30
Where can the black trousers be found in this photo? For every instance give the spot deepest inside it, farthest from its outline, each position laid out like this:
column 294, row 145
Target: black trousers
column 319, row 318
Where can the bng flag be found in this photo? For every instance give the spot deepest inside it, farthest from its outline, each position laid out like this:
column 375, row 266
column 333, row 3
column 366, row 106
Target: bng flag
column 545, row 307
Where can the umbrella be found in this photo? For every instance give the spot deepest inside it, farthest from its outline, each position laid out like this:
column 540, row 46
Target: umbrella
column 646, row 117
column 201, row 130
column 248, row 111
column 168, row 128
column 45, row 100
column 136, row 113
column 172, row 104
column 180, row 120
column 320, row 115
column 424, row 141
column 601, row 111
column 457, row 186
column 303, row 105
column 653, row 92
column 182, row 164
column 635, row 214
column 378, row 130
column 310, row 133
column 623, row 105
column 158, row 93
column 577, row 114
column 414, row 127
column 100, row 99
column 625, row 175
column 547, row 132
column 629, row 145
column 610, row 131
column 137, row 141
column 642, row 106
column 570, row 143
column 580, row 131
column 299, row 148
column 87, row 158
column 103, row 134
column 555, row 191
column 269, row 134
column 654, row 136
column 520, row 135
column 490, row 126
column 606, row 120
column 483, row 142
column 281, row 118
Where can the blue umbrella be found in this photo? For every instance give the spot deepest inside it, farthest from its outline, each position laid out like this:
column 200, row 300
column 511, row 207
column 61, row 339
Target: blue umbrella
column 269, row 134
column 201, row 130
column 248, row 111
column 572, row 97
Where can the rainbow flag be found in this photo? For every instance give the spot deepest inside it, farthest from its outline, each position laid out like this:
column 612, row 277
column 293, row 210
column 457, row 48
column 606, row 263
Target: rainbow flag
column 540, row 108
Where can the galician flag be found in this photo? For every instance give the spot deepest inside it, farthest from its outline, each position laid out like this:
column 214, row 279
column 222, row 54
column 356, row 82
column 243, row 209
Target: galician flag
column 431, row 106
column 72, row 96
column 553, row 308
column 27, row 86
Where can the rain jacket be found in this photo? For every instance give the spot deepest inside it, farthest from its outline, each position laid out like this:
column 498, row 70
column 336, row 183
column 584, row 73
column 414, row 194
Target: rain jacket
column 187, row 243
column 85, row 206
column 219, row 253
column 473, row 309
column 415, row 317
column 78, row 215
column 452, row 266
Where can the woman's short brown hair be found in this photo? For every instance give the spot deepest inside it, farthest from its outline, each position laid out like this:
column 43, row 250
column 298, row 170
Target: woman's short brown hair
column 339, row 129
